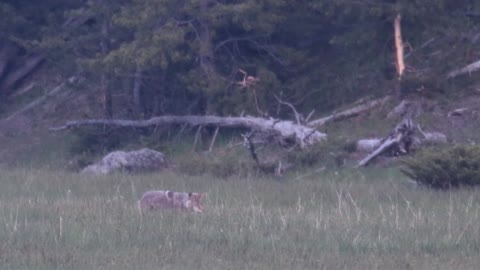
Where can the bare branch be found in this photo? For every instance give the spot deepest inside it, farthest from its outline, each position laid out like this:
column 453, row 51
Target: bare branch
column 309, row 115
column 251, row 146
column 235, row 39
column 197, row 136
column 297, row 116
column 352, row 112
column 214, row 138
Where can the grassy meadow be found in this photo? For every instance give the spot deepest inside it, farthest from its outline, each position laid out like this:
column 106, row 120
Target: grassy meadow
column 351, row 219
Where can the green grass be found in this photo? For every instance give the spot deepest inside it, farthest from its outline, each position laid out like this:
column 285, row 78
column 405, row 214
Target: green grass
column 353, row 219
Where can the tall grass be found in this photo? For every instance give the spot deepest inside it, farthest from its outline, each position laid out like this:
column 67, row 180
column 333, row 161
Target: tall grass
column 326, row 220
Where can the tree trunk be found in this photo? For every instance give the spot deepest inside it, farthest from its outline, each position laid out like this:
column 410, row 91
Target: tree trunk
column 206, row 48
column 107, row 97
column 136, row 92
column 107, row 92
column 160, row 92
column 400, row 64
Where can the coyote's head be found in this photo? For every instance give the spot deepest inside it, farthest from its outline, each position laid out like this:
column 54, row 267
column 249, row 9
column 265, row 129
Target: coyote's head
column 194, row 202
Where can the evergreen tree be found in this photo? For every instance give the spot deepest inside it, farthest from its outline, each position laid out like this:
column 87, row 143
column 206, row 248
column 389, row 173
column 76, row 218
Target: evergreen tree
column 191, row 57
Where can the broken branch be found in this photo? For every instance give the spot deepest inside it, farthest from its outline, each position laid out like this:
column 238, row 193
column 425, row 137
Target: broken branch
column 297, row 116
column 467, row 69
column 352, row 112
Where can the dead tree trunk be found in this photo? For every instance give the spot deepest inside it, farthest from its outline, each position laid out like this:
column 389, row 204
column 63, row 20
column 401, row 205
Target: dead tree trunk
column 11, row 79
column 300, row 135
column 400, row 64
column 54, row 92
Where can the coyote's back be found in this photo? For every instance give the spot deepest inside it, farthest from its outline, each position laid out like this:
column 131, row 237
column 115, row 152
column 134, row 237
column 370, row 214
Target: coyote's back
column 166, row 199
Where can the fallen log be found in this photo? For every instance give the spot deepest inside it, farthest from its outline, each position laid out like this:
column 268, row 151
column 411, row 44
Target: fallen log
column 285, row 130
column 352, row 112
column 467, row 69
column 399, row 141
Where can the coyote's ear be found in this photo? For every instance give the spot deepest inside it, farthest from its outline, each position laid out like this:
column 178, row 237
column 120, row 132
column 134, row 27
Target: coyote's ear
column 196, row 196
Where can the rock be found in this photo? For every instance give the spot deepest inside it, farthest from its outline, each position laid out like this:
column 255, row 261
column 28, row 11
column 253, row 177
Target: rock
column 134, row 161
column 367, row 145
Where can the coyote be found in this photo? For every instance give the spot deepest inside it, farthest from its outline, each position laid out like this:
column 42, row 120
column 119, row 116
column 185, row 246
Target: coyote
column 166, row 199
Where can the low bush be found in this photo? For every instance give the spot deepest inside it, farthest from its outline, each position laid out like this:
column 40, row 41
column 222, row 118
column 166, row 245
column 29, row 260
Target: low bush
column 221, row 165
column 445, row 168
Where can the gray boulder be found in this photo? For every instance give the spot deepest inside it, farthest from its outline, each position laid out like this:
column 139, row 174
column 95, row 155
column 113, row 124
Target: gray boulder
column 133, row 161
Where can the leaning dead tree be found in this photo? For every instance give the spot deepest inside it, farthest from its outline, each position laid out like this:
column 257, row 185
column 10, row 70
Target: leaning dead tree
column 284, row 131
column 14, row 67
column 398, row 142
column 63, row 87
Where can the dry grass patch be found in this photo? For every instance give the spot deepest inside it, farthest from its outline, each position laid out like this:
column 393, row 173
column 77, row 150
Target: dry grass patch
column 336, row 220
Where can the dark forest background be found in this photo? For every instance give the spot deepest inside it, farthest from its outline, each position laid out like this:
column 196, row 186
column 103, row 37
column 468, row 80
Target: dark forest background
column 140, row 58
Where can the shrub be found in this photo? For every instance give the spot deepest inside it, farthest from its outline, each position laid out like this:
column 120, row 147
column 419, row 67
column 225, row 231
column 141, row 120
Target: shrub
column 445, row 168
column 218, row 164
column 327, row 154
